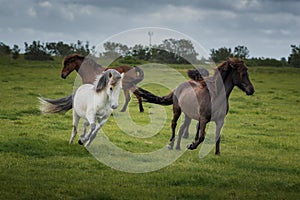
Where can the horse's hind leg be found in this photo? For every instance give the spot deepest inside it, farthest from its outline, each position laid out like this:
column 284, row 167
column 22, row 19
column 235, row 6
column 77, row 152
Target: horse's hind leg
column 139, row 100
column 75, row 126
column 184, row 127
column 176, row 115
column 127, row 99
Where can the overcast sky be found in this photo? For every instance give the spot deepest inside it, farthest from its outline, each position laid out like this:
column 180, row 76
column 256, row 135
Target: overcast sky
column 266, row 27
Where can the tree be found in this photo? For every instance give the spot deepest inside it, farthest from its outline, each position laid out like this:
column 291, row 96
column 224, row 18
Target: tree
column 177, row 51
column 241, row 52
column 59, row 48
column 15, row 52
column 4, row 49
column 36, row 51
column 220, row 54
column 140, row 52
column 114, row 50
column 82, row 48
column 294, row 58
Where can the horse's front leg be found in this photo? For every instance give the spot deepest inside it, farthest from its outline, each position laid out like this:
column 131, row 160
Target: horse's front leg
column 82, row 140
column 85, row 125
column 219, row 126
column 127, row 99
column 98, row 126
column 90, row 117
column 201, row 126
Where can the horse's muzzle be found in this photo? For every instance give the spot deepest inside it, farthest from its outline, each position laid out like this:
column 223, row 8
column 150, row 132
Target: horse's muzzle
column 63, row 76
column 250, row 90
column 114, row 106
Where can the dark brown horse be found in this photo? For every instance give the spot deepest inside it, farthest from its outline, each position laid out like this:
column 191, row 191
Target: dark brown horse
column 204, row 101
column 88, row 70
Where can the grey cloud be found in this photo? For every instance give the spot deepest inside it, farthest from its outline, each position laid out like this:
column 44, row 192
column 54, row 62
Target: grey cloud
column 213, row 23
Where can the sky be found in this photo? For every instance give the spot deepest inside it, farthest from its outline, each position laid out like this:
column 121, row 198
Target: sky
column 266, row 27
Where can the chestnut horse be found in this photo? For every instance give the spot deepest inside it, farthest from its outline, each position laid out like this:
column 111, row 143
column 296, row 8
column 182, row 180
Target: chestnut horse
column 88, row 70
column 204, row 102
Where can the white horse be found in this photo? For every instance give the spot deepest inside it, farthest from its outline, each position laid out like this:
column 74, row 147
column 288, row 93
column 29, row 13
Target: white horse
column 95, row 103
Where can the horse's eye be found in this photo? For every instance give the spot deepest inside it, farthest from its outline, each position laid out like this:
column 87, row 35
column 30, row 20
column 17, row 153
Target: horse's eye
column 111, row 89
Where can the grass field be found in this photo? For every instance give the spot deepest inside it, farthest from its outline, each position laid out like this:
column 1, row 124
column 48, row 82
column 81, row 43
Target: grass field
column 260, row 157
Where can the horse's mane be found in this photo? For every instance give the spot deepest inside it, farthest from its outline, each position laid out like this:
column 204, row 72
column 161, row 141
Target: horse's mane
column 103, row 79
column 232, row 63
column 221, row 71
column 72, row 58
column 85, row 61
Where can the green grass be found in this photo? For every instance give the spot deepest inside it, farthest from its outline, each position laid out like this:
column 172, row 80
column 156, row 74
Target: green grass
column 259, row 149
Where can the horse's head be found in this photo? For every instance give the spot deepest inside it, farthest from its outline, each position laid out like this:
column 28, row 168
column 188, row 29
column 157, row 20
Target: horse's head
column 71, row 63
column 240, row 76
column 110, row 82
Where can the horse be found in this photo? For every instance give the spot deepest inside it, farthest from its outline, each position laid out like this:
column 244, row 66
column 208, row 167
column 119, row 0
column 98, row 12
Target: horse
column 206, row 101
column 95, row 103
column 88, row 70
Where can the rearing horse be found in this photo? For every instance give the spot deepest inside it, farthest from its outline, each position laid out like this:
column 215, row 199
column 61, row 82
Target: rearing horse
column 88, row 70
column 204, row 102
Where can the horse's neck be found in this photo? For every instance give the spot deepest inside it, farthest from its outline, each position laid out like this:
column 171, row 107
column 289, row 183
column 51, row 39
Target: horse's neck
column 88, row 73
column 220, row 88
column 227, row 83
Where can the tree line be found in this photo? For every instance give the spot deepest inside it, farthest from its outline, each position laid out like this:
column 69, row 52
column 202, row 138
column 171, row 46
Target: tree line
column 46, row 51
column 170, row 51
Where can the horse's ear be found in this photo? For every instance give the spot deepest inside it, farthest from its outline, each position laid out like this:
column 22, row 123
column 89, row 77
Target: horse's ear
column 103, row 81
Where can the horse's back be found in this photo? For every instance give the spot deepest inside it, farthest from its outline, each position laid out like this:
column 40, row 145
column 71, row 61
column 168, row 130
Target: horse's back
column 193, row 99
column 83, row 97
column 123, row 68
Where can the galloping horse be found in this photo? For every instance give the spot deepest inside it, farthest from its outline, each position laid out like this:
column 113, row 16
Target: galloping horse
column 95, row 104
column 204, row 102
column 88, row 70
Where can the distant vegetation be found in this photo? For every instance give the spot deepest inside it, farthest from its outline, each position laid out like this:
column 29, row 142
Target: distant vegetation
column 170, row 51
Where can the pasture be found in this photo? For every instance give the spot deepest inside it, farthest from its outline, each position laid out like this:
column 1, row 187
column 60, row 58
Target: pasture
column 259, row 158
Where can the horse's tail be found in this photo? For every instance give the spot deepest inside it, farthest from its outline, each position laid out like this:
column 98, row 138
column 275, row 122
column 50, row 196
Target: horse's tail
column 140, row 76
column 197, row 74
column 61, row 105
column 151, row 98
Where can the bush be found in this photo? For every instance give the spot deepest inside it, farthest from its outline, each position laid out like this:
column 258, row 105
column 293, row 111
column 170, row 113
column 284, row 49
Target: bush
column 36, row 51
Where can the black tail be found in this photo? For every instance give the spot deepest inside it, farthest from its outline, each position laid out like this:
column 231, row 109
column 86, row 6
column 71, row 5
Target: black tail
column 62, row 105
column 151, row 98
column 197, row 74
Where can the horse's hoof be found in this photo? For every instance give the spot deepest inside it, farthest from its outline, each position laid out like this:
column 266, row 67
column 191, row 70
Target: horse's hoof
column 190, row 146
column 185, row 136
column 142, row 110
column 178, row 148
column 80, row 142
column 170, row 147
